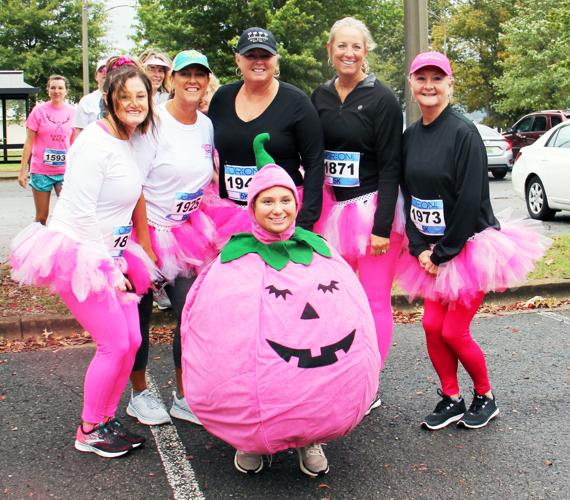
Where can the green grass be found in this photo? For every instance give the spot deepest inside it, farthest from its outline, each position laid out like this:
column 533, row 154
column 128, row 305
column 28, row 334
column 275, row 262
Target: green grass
column 556, row 262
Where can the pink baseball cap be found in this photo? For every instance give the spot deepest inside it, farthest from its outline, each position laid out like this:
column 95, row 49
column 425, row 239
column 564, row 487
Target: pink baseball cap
column 436, row 59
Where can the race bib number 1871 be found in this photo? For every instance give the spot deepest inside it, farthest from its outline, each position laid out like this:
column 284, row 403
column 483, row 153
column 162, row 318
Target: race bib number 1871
column 428, row 216
column 342, row 168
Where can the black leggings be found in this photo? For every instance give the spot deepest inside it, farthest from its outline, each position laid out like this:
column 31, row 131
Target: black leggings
column 176, row 292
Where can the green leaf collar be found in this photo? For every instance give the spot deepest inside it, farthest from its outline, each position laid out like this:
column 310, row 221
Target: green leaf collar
column 299, row 248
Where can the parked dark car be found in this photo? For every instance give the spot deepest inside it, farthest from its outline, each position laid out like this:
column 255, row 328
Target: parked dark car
column 530, row 127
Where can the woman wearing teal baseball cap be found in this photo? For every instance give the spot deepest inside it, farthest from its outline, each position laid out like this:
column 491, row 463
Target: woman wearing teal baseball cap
column 177, row 165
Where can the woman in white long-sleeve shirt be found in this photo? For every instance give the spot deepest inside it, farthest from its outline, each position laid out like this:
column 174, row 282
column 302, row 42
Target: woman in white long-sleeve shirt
column 79, row 254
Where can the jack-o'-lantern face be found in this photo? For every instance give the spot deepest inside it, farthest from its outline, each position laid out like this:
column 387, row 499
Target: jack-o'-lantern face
column 308, row 312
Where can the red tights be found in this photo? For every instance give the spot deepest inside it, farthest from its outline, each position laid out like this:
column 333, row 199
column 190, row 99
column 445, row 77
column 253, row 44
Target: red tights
column 449, row 340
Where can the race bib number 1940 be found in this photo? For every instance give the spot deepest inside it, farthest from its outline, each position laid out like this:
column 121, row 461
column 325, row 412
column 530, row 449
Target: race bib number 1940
column 428, row 216
column 342, row 168
column 237, row 181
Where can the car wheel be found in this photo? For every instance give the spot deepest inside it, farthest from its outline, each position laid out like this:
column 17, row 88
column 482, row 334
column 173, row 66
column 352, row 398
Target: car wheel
column 536, row 202
column 499, row 174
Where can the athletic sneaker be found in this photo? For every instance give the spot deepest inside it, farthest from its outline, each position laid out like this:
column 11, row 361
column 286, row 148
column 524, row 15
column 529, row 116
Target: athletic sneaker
column 375, row 404
column 119, row 429
column 248, row 463
column 147, row 409
column 446, row 412
column 181, row 410
column 312, row 460
column 161, row 300
column 480, row 413
column 102, row 441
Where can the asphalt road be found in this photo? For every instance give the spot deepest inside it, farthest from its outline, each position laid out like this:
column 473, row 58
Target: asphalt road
column 17, row 209
column 522, row 454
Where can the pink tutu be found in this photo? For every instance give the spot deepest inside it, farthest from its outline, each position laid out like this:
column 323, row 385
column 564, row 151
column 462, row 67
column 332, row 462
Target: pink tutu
column 229, row 217
column 42, row 257
column 184, row 249
column 347, row 225
column 491, row 261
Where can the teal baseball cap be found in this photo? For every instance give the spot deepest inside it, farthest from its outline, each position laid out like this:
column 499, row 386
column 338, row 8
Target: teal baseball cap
column 189, row 57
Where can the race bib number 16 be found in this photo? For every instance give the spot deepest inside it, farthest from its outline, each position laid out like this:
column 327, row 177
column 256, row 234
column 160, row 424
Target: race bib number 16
column 428, row 216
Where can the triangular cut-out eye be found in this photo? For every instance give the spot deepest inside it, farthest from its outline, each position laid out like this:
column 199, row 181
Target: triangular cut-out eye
column 277, row 292
column 328, row 288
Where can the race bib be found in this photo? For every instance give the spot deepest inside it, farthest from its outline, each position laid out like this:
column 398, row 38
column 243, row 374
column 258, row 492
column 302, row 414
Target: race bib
column 237, row 181
column 342, row 168
column 428, row 216
column 184, row 204
column 54, row 157
column 119, row 240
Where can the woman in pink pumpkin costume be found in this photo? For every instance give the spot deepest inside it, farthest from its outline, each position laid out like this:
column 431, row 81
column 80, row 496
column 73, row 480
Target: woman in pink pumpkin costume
column 81, row 254
column 458, row 249
column 280, row 368
column 363, row 216
column 178, row 165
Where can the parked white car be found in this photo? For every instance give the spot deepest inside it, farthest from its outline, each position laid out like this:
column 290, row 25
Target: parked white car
column 541, row 173
column 499, row 151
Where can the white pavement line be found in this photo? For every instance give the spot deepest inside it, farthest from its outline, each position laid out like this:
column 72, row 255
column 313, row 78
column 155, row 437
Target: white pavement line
column 179, row 472
column 555, row 316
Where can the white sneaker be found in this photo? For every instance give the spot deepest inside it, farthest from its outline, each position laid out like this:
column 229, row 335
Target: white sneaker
column 312, row 460
column 161, row 300
column 147, row 409
column 181, row 410
column 376, row 402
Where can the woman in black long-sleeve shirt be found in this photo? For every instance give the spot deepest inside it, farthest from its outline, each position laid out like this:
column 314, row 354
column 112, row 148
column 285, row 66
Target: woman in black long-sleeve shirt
column 457, row 249
column 362, row 125
column 261, row 103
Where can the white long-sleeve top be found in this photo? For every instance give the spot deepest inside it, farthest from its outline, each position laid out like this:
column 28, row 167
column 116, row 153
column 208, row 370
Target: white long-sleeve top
column 177, row 163
column 101, row 186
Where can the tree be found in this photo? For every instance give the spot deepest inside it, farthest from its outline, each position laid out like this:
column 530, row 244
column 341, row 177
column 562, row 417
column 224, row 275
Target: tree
column 469, row 31
column 43, row 37
column 536, row 61
column 300, row 27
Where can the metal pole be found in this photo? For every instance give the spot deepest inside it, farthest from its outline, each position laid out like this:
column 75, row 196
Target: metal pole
column 416, row 41
column 85, row 46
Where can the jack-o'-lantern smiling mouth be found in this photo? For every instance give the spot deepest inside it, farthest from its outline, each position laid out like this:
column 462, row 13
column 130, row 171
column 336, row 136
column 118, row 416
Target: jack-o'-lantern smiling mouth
column 327, row 357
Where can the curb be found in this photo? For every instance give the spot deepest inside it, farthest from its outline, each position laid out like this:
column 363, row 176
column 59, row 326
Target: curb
column 18, row 328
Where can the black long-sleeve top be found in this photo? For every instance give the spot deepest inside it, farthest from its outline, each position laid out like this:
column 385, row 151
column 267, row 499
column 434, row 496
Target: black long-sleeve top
column 296, row 139
column 446, row 160
column 368, row 122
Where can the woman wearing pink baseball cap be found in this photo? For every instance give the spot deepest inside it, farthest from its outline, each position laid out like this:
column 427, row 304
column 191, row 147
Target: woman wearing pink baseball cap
column 458, row 250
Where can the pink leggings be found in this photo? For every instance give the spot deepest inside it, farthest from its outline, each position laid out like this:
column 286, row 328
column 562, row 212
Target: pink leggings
column 116, row 332
column 449, row 341
column 376, row 273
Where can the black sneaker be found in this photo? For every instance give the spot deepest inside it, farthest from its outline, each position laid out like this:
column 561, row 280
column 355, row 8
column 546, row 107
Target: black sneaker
column 446, row 412
column 481, row 412
column 118, row 428
column 102, row 441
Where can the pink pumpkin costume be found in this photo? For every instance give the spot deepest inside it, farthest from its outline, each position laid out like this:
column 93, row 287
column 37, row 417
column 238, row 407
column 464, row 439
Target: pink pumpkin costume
column 278, row 341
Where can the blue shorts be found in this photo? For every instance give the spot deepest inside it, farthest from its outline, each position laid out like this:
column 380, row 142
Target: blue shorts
column 44, row 183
